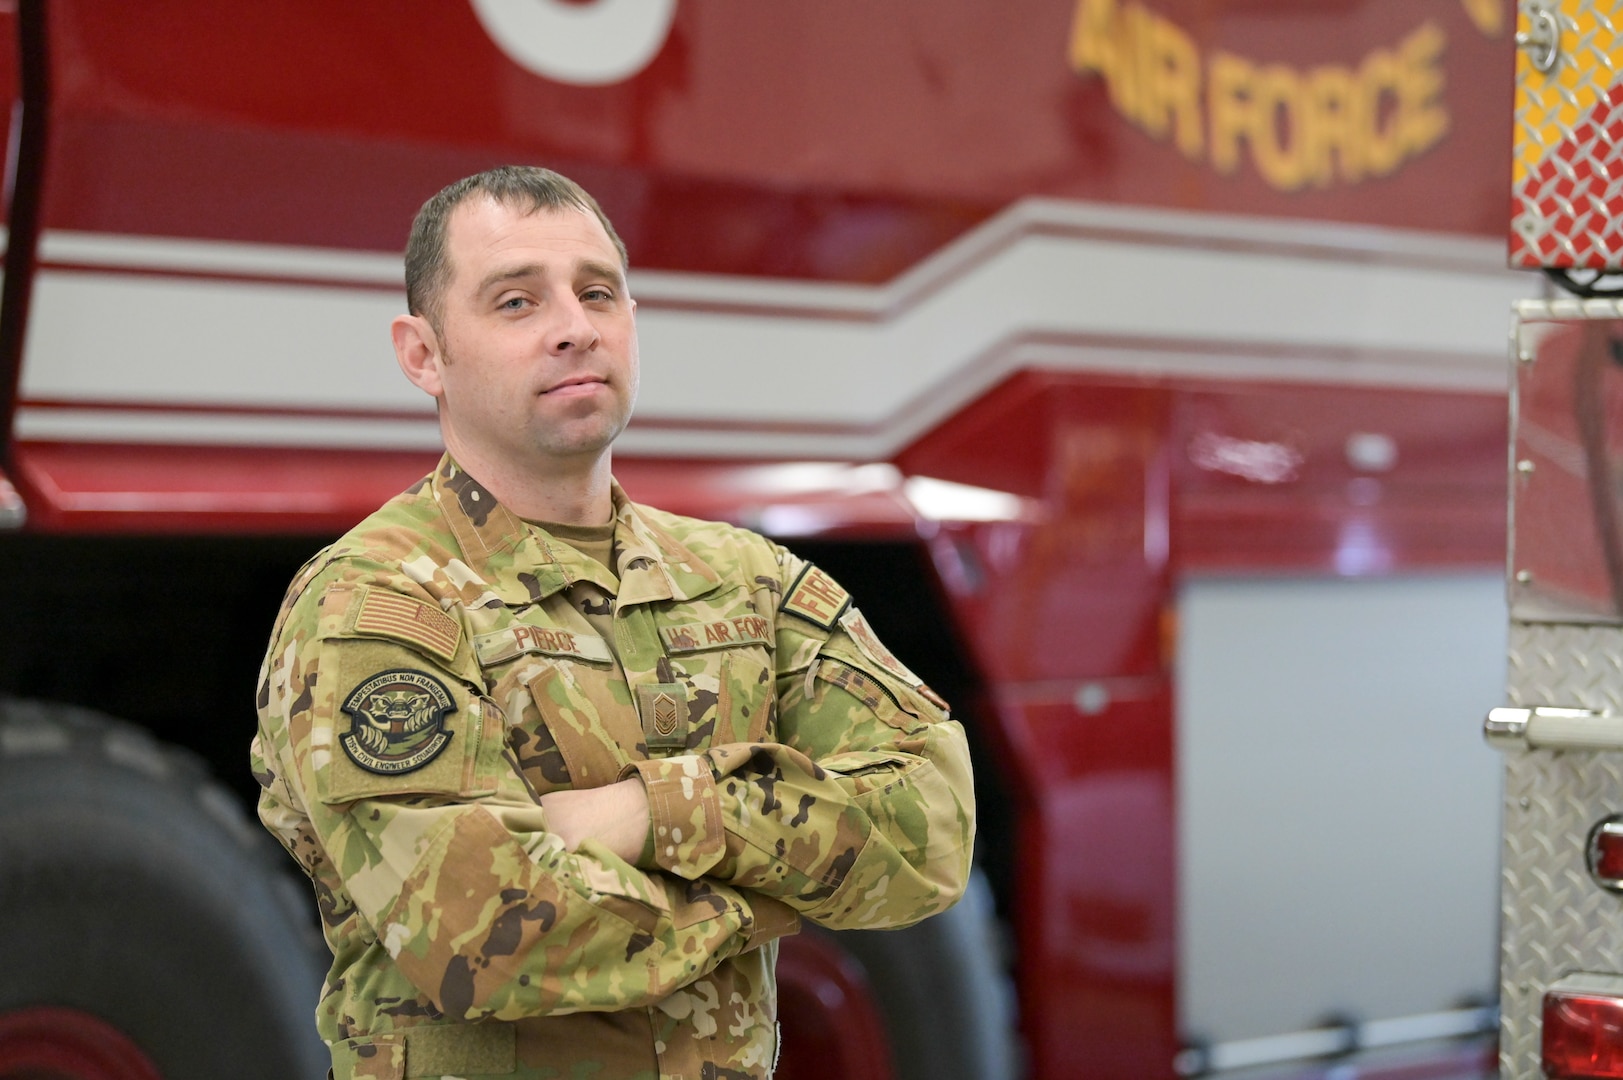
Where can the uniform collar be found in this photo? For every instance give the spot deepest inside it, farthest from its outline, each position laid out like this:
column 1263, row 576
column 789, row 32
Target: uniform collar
column 521, row 563
column 654, row 565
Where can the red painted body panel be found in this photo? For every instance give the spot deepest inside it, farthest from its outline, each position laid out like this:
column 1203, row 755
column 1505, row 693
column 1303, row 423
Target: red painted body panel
column 93, row 487
column 1070, row 619
column 1439, row 502
column 1096, row 919
column 1078, row 594
column 1065, row 616
column 101, row 487
column 806, row 140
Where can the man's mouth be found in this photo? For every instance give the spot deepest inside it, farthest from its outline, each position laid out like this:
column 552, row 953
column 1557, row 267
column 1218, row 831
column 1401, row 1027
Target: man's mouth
column 583, row 384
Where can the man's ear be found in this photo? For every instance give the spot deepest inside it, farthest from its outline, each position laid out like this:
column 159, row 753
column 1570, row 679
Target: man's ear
column 417, row 349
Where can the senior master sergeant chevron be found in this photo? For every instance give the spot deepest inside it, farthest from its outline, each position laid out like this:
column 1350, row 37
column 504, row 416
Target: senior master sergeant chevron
column 562, row 767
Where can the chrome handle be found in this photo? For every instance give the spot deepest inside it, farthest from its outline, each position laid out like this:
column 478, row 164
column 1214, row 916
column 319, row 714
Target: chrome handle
column 1542, row 40
column 1548, row 728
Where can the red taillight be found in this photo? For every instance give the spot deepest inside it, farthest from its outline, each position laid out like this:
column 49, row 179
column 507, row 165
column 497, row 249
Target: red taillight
column 1606, row 853
column 1583, row 1028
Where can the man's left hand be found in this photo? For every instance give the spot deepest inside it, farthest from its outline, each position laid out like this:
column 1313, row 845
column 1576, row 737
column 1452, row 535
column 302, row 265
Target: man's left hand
column 615, row 816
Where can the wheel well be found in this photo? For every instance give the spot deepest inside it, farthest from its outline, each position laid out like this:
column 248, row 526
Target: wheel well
column 168, row 633
column 164, row 632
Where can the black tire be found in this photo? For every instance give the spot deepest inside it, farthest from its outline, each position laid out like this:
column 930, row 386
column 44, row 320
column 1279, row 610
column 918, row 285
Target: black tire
column 945, row 992
column 134, row 888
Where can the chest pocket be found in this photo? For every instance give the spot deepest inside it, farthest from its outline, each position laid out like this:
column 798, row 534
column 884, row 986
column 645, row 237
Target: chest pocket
column 565, row 700
column 722, row 660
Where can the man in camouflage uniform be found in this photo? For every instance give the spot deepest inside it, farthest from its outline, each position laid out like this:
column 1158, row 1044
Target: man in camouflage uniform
column 561, row 767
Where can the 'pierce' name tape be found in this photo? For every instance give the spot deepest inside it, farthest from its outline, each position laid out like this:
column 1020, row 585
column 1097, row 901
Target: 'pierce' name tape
column 522, row 638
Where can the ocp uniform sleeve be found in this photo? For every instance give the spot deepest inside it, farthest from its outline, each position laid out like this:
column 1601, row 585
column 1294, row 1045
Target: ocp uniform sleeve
column 371, row 709
column 860, row 815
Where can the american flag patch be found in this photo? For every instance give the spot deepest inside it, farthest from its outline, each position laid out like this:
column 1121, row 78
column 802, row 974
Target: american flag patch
column 388, row 614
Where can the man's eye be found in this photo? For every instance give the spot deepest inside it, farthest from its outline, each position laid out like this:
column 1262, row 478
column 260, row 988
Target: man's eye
column 512, row 303
column 597, row 293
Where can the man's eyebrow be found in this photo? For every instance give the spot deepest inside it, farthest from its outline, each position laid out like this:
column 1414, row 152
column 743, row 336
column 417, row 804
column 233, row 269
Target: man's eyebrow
column 591, row 268
column 504, row 274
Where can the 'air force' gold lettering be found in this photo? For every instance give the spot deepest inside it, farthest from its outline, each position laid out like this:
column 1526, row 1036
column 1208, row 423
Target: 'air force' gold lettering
column 1300, row 127
column 499, row 646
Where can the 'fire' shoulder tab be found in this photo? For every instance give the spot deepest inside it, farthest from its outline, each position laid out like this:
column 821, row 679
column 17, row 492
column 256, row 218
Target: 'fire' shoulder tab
column 817, row 598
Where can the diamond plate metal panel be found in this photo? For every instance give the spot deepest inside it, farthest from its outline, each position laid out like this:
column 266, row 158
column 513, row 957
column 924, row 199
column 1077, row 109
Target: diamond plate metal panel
column 1567, row 204
column 1556, row 920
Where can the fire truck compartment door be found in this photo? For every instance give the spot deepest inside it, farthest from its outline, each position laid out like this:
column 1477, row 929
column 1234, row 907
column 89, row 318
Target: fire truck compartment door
column 1566, row 544
column 1335, row 858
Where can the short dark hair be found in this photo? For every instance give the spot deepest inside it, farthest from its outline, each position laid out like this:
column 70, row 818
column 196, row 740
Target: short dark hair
column 529, row 187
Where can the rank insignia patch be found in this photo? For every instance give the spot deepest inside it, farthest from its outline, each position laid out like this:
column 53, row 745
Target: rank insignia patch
column 665, row 714
column 816, row 598
column 397, row 722
column 663, row 707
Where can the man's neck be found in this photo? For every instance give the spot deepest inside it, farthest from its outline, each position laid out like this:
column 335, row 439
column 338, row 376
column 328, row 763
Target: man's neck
column 568, row 492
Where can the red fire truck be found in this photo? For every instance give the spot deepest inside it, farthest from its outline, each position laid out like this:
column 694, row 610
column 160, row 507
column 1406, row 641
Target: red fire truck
column 1138, row 364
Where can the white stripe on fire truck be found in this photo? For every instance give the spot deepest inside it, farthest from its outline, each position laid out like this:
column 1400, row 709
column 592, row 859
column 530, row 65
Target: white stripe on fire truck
column 1044, row 285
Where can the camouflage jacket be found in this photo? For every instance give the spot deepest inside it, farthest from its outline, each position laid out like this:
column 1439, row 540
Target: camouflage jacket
column 440, row 667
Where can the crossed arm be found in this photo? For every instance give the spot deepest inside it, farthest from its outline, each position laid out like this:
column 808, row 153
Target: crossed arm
column 616, row 816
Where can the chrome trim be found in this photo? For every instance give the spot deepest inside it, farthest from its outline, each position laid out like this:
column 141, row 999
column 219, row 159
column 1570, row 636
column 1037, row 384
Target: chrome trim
column 1506, row 728
column 1610, row 826
column 1549, row 727
column 1334, row 1041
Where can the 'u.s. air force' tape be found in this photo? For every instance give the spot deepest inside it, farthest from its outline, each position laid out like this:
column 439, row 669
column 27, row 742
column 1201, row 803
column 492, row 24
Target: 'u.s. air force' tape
column 817, row 598
column 721, row 634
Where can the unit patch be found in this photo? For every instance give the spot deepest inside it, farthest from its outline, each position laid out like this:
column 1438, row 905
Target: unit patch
column 817, row 598
column 397, row 721
column 388, row 614
column 739, row 630
column 501, row 645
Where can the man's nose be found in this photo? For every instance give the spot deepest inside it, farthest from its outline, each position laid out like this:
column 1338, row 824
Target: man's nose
column 572, row 328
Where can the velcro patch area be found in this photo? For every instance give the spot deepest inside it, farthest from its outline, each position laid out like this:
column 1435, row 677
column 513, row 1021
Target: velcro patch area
column 854, row 624
column 817, row 598
column 738, row 630
column 389, row 614
column 520, row 638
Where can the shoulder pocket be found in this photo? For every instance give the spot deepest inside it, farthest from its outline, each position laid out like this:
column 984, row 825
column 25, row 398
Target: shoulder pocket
column 395, row 724
column 891, row 700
